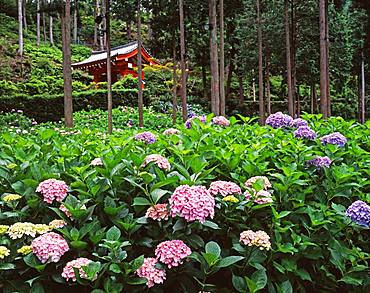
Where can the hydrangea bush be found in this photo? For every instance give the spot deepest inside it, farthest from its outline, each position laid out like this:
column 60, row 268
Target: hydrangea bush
column 243, row 208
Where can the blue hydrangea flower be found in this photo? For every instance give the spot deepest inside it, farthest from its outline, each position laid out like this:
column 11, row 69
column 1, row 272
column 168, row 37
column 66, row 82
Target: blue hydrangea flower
column 278, row 120
column 359, row 212
column 334, row 138
column 320, row 162
column 305, row 132
column 146, row 137
column 298, row 123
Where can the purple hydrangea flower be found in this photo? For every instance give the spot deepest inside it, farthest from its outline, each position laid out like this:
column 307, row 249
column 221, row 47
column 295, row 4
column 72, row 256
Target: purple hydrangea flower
column 278, row 120
column 334, row 138
column 146, row 137
column 296, row 123
column 188, row 123
column 320, row 162
column 359, row 212
column 305, row 132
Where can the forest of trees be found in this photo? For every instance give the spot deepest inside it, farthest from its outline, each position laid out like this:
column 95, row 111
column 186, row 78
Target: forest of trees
column 319, row 48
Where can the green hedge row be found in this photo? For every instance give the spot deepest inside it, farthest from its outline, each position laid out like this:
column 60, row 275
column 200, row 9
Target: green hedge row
column 51, row 107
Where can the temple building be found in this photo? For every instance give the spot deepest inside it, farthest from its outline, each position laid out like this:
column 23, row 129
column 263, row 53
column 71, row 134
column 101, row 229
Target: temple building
column 123, row 58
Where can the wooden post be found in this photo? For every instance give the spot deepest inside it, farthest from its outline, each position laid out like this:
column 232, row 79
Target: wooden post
column 183, row 62
column 139, row 65
column 222, row 61
column 268, row 90
column 38, row 23
column 288, row 61
column 261, row 101
column 109, row 66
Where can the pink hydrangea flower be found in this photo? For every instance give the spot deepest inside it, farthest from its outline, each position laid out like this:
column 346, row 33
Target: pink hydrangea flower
column 49, row 247
column 253, row 180
column 172, row 252
column 68, row 272
column 192, row 203
column 260, row 197
column 259, row 239
column 146, row 137
column 96, row 162
column 53, row 189
column 151, row 273
column 220, row 120
column 158, row 212
column 160, row 161
column 224, row 188
column 63, row 208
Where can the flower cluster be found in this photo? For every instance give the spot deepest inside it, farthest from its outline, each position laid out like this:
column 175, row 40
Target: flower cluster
column 63, row 208
column 252, row 180
column 4, row 252
column 68, row 272
column 151, row 273
column 160, row 161
column 359, row 212
column 260, row 197
column 26, row 249
column 49, row 247
column 3, row 229
column 146, row 137
column 230, row 198
column 296, row 123
column 11, row 197
column 96, row 162
column 54, row 224
column 224, row 188
column 334, row 138
column 258, row 238
column 158, row 212
column 171, row 131
column 320, row 162
column 53, row 189
column 19, row 229
column 278, row 120
column 192, row 203
column 172, row 252
column 220, row 120
column 188, row 123
column 305, row 132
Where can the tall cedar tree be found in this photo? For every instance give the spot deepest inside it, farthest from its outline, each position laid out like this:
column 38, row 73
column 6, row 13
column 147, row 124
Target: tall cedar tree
column 260, row 66
column 139, row 65
column 324, row 82
column 222, row 60
column 183, row 61
column 288, row 60
column 109, row 65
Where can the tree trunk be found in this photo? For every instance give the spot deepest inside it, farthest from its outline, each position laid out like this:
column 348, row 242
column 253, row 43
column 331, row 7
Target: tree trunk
column 38, row 23
column 20, row 28
column 100, row 27
column 129, row 30
column 204, row 82
column 75, row 24
column 323, row 61
column 261, row 101
column 95, row 24
column 241, row 90
column 174, row 91
column 44, row 25
column 67, row 70
column 104, row 24
column 109, row 65
column 327, row 60
column 362, row 96
column 298, row 112
column 254, row 88
column 268, row 90
column 51, row 35
column 229, row 78
column 314, row 96
column 293, row 47
column 139, row 65
column 24, row 15
column 288, row 61
column 215, row 84
column 183, row 64
column 222, row 61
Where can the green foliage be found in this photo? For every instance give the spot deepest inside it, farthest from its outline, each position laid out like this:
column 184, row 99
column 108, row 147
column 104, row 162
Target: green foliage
column 315, row 247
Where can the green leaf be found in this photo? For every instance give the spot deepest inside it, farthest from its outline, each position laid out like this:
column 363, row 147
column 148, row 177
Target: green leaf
column 352, row 280
column 37, row 288
column 211, row 225
column 213, row 248
column 286, row 287
column 229, row 260
column 260, row 279
column 157, row 194
column 141, row 201
column 210, row 258
column 75, row 234
column 113, row 234
column 239, row 284
column 303, row 274
column 78, row 244
column 7, row 266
